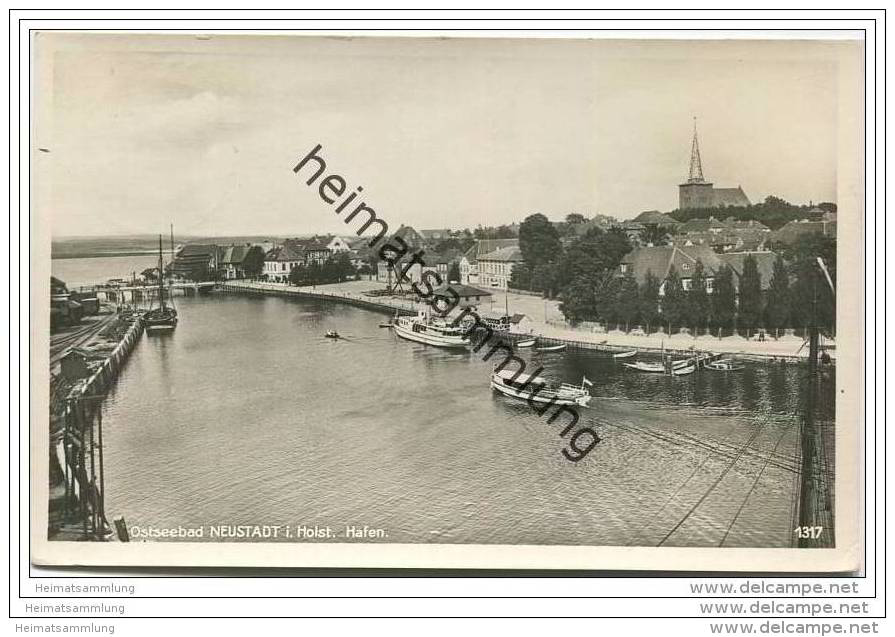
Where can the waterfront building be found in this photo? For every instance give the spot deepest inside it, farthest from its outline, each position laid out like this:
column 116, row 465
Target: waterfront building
column 660, row 259
column 314, row 250
column 196, row 262
column 469, row 296
column 699, row 193
column 469, row 268
column 279, row 261
column 496, row 268
column 239, row 261
column 764, row 260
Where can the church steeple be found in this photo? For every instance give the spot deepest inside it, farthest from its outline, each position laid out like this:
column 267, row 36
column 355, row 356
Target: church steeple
column 696, row 176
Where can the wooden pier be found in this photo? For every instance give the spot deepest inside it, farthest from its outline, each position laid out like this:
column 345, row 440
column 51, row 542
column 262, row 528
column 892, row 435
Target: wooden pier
column 77, row 508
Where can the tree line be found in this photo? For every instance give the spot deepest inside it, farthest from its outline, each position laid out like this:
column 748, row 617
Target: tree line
column 585, row 277
column 335, row 269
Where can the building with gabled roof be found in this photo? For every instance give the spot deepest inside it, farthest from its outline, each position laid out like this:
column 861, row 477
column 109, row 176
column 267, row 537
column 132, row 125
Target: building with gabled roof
column 469, row 262
column 195, row 261
column 496, row 268
column 659, row 260
column 233, row 260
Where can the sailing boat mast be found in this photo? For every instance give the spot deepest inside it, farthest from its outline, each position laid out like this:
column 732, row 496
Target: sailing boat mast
column 161, row 274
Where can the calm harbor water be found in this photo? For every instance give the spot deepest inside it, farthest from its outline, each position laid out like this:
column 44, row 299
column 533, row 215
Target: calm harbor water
column 248, row 415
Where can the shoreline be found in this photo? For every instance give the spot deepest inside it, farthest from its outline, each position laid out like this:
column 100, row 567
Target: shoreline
column 789, row 350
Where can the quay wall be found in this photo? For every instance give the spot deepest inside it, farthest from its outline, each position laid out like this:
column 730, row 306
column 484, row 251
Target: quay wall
column 389, row 306
column 383, row 305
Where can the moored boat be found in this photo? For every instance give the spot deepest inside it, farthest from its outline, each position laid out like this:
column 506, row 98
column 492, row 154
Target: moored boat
column 525, row 343
column 164, row 317
column 683, row 371
column 332, row 334
column 659, row 368
column 526, row 387
column 437, row 332
column 551, row 348
column 630, row 354
column 640, row 366
column 724, row 366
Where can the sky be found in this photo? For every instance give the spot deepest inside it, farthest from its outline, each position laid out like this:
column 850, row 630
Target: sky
column 203, row 132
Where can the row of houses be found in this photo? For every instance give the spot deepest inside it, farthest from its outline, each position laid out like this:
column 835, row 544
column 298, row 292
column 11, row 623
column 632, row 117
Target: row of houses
column 200, row 261
column 659, row 260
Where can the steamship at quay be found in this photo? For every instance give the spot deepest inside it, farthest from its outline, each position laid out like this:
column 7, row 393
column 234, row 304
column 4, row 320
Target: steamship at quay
column 437, row 332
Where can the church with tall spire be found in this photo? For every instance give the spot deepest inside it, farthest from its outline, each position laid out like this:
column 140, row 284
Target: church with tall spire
column 699, row 193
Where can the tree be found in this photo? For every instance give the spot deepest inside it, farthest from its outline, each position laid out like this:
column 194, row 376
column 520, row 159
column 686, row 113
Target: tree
column 578, row 300
column 574, row 218
column 699, row 305
column 813, row 292
column 778, row 312
column 520, row 279
column 544, row 279
column 674, row 303
column 627, row 300
column 724, row 304
column 539, row 241
column 750, row 301
column 648, row 296
column 593, row 254
column 454, row 273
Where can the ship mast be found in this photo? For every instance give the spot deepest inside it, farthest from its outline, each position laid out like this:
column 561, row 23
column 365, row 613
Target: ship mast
column 161, row 274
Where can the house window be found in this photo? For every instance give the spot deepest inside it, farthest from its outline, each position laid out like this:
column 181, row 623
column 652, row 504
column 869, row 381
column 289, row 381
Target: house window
column 624, row 268
column 687, row 284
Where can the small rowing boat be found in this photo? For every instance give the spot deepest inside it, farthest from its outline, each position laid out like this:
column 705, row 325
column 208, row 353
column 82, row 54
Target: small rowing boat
column 659, row 368
column 525, row 343
column 630, row 354
column 724, row 366
column 683, row 371
column 655, row 368
column 332, row 334
column 551, row 348
column 533, row 389
column 386, row 324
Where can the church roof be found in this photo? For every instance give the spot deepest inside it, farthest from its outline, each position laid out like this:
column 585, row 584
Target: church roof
column 730, row 197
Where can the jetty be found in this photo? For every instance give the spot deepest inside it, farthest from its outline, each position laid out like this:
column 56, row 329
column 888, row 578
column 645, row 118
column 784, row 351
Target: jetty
column 83, row 366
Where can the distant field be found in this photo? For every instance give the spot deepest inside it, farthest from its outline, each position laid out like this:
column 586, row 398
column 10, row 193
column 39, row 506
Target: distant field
column 132, row 245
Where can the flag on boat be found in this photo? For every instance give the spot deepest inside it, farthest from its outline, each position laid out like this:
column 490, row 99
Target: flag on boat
column 586, row 382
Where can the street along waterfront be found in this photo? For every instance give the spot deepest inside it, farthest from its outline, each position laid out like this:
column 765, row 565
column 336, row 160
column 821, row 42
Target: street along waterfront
column 248, row 415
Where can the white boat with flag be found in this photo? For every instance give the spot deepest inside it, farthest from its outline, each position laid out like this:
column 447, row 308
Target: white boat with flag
column 525, row 387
